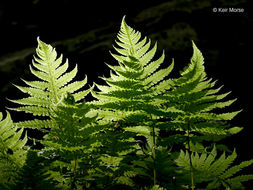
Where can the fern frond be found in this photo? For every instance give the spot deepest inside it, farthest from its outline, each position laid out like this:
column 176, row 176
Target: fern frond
column 12, row 151
column 216, row 172
column 198, row 100
column 55, row 82
column 136, row 79
column 130, row 99
column 74, row 141
column 236, row 182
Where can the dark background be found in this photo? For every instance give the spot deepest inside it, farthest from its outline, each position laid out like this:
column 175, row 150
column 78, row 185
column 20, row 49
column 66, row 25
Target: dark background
column 84, row 32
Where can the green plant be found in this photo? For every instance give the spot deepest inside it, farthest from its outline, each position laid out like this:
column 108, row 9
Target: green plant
column 73, row 143
column 214, row 171
column 195, row 104
column 143, row 130
column 12, row 152
column 192, row 106
column 129, row 98
column 48, row 92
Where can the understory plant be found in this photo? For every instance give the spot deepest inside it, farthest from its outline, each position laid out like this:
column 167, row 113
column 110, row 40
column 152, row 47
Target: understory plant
column 142, row 130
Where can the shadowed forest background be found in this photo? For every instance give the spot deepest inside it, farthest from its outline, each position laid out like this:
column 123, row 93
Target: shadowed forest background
column 84, row 31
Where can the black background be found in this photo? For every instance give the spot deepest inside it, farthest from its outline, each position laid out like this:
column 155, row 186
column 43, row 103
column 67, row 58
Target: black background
column 84, row 31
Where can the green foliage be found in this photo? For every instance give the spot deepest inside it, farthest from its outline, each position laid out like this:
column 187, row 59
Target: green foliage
column 134, row 82
column 164, row 166
column 128, row 99
column 45, row 94
column 74, row 143
column 192, row 106
column 155, row 187
column 12, row 152
column 33, row 174
column 216, row 172
column 86, row 151
column 129, row 137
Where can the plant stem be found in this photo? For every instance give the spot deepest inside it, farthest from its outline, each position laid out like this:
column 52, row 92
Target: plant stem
column 189, row 148
column 154, row 152
column 154, row 155
column 74, row 177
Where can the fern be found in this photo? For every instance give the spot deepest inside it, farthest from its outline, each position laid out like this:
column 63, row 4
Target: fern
column 45, row 94
column 33, row 173
column 81, row 146
column 74, row 142
column 215, row 172
column 133, row 83
column 129, row 97
column 164, row 164
column 192, row 110
column 12, row 152
column 125, row 138
column 192, row 106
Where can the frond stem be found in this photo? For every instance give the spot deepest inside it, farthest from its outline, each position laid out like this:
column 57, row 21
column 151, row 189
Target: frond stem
column 74, row 177
column 130, row 41
column 52, row 79
column 189, row 148
column 154, row 152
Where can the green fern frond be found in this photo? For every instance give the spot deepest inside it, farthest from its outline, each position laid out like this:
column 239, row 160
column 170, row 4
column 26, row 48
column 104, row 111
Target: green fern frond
column 164, row 165
column 215, row 172
column 136, row 81
column 74, row 125
column 74, row 141
column 12, row 151
column 237, row 181
column 55, row 82
column 198, row 101
column 130, row 97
